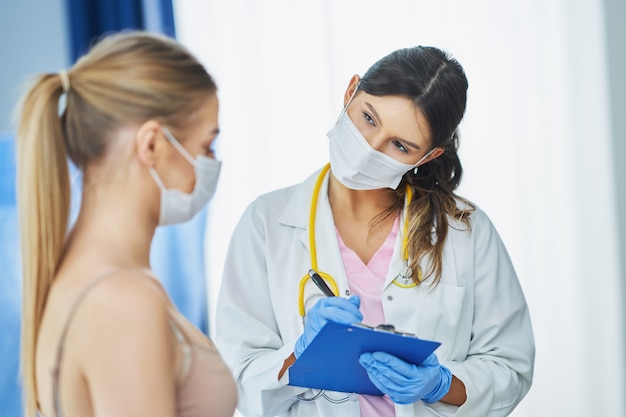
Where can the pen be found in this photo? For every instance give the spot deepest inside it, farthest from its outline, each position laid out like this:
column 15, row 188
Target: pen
column 321, row 284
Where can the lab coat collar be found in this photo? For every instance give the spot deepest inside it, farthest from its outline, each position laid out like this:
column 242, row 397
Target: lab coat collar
column 296, row 211
column 296, row 214
column 397, row 264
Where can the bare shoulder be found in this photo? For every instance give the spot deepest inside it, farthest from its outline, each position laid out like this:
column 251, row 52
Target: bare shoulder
column 126, row 292
column 122, row 346
column 121, row 315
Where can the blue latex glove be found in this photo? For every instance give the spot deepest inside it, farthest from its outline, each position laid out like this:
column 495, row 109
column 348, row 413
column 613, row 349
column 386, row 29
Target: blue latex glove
column 406, row 383
column 337, row 309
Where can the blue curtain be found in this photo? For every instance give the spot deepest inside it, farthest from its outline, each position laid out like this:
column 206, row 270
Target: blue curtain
column 90, row 19
column 10, row 283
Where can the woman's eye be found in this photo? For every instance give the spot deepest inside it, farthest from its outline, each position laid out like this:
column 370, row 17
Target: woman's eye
column 400, row 146
column 209, row 147
column 209, row 151
column 369, row 119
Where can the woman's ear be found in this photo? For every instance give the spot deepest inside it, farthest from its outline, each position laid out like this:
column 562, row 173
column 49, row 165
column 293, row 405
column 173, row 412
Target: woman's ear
column 352, row 86
column 434, row 154
column 148, row 142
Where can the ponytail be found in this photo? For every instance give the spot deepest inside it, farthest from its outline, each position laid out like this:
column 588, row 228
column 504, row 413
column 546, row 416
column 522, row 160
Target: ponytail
column 43, row 196
column 434, row 203
column 126, row 78
column 437, row 85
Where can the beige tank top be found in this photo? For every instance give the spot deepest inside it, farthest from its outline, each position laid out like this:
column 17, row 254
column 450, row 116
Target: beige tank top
column 205, row 387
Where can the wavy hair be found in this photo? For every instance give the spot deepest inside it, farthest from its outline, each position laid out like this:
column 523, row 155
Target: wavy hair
column 437, row 85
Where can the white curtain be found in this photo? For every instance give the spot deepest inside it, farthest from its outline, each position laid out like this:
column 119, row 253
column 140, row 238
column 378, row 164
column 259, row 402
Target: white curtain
column 535, row 146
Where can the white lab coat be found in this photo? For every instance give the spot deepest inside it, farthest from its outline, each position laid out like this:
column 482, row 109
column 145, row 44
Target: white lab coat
column 477, row 311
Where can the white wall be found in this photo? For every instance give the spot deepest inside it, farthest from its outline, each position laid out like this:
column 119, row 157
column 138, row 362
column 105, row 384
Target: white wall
column 616, row 48
column 33, row 39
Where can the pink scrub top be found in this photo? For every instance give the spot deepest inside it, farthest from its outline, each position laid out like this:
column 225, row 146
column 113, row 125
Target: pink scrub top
column 367, row 282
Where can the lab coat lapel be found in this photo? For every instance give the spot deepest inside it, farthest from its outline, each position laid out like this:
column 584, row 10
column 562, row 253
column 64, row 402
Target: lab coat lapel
column 297, row 213
column 329, row 258
column 397, row 264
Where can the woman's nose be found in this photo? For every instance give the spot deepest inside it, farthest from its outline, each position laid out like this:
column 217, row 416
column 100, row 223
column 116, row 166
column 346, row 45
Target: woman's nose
column 377, row 141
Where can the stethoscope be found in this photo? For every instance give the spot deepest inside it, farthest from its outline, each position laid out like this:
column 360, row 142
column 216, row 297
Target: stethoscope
column 403, row 279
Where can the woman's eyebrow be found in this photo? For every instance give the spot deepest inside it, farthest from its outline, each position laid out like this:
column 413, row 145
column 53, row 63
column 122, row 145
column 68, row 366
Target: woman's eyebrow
column 377, row 117
column 411, row 144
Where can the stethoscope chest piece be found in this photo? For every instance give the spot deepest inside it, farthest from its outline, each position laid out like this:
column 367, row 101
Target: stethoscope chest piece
column 405, row 279
column 408, row 273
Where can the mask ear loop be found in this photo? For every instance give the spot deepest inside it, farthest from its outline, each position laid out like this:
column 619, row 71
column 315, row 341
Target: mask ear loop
column 345, row 108
column 177, row 145
column 421, row 159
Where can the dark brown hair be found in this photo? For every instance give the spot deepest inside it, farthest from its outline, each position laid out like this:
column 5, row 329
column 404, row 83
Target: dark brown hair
column 437, row 85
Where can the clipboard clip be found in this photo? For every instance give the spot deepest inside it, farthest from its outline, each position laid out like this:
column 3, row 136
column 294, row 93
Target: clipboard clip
column 386, row 327
column 389, row 328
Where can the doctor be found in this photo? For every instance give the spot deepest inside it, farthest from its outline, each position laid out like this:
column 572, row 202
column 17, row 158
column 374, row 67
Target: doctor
column 383, row 226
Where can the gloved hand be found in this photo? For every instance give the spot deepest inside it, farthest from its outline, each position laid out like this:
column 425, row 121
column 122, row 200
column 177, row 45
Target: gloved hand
column 337, row 309
column 406, row 383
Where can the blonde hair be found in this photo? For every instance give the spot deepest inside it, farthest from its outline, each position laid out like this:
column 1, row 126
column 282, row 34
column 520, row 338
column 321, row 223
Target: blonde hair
column 125, row 78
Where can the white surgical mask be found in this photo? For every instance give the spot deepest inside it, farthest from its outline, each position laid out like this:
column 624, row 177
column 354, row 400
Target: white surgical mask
column 356, row 164
column 178, row 206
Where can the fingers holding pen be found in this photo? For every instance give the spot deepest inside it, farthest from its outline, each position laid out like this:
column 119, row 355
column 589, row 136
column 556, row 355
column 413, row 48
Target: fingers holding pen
column 337, row 309
column 340, row 310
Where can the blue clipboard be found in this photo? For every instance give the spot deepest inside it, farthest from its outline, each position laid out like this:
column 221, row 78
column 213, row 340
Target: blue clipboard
column 331, row 361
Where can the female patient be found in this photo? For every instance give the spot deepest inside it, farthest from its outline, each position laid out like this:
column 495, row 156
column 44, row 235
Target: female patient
column 100, row 336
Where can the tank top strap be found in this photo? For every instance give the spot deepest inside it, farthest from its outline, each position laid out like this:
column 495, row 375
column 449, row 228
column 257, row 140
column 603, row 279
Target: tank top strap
column 177, row 322
column 145, row 274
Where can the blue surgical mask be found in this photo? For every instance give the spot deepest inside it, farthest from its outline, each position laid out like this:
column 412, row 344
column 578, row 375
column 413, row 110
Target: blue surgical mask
column 178, row 206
